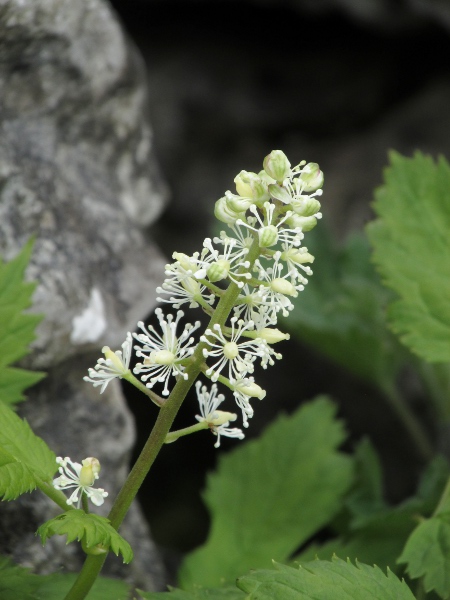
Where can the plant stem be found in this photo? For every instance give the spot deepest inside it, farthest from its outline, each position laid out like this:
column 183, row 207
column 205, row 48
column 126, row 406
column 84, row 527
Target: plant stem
column 56, row 495
column 172, row 436
column 411, row 423
column 93, row 564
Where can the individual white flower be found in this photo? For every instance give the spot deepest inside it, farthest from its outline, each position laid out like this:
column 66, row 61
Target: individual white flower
column 296, row 259
column 182, row 286
column 115, row 364
column 243, row 390
column 164, row 353
column 269, row 232
column 277, row 287
column 217, row 265
column 242, row 238
column 82, row 478
column 217, row 420
column 249, row 304
column 239, row 357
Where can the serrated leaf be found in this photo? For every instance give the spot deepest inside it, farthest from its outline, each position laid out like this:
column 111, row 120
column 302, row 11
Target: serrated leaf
column 270, row 495
column 17, row 583
column 224, row 593
column 92, row 529
column 411, row 240
column 17, row 329
column 323, row 580
column 427, row 554
column 341, row 310
column 23, row 456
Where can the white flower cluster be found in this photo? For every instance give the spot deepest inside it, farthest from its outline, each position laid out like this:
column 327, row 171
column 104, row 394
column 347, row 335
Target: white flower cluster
column 262, row 257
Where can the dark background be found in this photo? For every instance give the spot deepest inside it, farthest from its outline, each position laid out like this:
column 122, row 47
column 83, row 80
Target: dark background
column 228, row 82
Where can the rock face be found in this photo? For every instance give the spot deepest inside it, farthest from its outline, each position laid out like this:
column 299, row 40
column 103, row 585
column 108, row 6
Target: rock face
column 77, row 171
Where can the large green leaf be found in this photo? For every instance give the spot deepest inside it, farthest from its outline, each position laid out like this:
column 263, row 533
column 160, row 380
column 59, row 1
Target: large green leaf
column 23, row 456
column 341, row 310
column 17, row 583
column 16, row 327
column 323, row 580
column 89, row 528
column 270, row 495
column 198, row 593
column 411, row 240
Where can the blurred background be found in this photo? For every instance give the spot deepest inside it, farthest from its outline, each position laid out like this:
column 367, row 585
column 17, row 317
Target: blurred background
column 338, row 82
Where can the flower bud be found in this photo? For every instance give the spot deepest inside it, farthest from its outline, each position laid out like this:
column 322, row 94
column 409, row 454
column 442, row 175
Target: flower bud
column 237, row 203
column 268, row 236
column 218, row 270
column 220, row 417
column 312, row 177
column 305, row 223
column 184, row 261
column 305, row 206
column 298, row 256
column 89, row 471
column 117, row 363
column 250, row 185
column 224, row 213
column 277, row 166
column 271, row 335
column 249, row 388
column 279, row 193
column 283, row 286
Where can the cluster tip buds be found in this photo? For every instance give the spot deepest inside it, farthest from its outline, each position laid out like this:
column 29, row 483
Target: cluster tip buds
column 312, row 177
column 277, row 166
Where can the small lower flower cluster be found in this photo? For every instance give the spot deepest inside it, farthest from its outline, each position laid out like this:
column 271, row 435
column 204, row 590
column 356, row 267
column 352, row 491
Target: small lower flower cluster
column 262, row 257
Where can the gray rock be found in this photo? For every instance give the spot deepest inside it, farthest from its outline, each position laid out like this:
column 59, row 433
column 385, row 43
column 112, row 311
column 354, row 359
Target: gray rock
column 77, row 171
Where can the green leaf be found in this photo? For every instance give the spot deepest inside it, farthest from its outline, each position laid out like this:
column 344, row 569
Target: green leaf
column 427, row 554
column 17, row 583
column 17, row 329
column 198, row 593
column 322, row 580
column 270, row 495
column 23, row 456
column 87, row 527
column 411, row 240
column 341, row 310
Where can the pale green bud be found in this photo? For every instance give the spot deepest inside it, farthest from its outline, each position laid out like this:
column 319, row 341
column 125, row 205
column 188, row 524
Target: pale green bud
column 192, row 286
column 250, row 185
column 282, row 286
column 89, row 471
column 272, row 336
column 277, row 166
column 279, row 193
column 184, row 261
column 220, row 417
column 237, row 204
column 250, row 388
column 305, row 223
column 224, row 213
column 305, row 206
column 297, row 256
column 112, row 356
column 218, row 270
column 268, row 236
column 312, row 177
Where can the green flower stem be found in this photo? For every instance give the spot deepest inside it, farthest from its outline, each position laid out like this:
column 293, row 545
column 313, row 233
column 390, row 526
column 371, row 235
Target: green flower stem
column 411, row 423
column 56, row 495
column 215, row 289
column 144, row 389
column 93, row 564
column 172, row 436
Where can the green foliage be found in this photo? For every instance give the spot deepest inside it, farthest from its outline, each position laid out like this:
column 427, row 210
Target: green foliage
column 322, row 580
column 16, row 328
column 270, row 495
column 17, row 583
column 411, row 240
column 341, row 313
column 89, row 528
column 24, row 457
column 374, row 532
column 198, row 593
